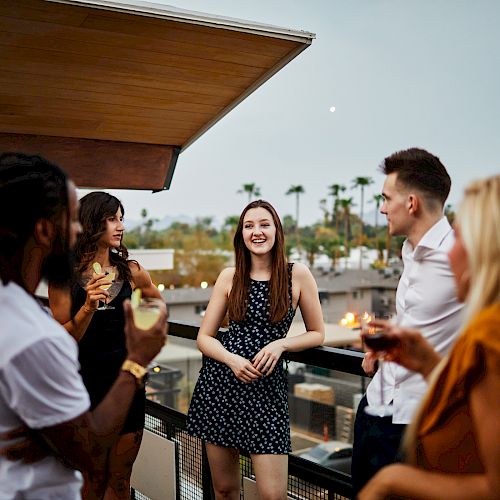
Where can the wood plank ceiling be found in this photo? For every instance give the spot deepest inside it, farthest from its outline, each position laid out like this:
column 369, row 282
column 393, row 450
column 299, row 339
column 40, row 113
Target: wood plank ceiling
column 120, row 94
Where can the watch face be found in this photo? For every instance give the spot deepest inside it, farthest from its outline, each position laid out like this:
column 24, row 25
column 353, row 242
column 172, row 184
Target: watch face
column 136, row 370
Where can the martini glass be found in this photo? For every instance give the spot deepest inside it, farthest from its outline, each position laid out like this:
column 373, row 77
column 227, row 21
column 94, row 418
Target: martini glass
column 113, row 287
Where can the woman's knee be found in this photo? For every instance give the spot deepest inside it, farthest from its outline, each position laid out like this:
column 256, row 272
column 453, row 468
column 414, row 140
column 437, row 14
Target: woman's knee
column 226, row 491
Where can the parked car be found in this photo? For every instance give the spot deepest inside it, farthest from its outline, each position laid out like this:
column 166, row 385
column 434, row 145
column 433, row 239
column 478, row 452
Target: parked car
column 335, row 455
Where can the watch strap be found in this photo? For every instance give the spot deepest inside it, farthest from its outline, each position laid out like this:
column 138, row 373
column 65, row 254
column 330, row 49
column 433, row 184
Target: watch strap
column 137, row 370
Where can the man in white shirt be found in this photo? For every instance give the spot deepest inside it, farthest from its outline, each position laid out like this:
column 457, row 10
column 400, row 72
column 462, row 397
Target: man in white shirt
column 415, row 190
column 40, row 387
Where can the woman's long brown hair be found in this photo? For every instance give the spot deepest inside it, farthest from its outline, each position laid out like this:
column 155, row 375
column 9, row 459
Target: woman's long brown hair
column 279, row 299
column 95, row 209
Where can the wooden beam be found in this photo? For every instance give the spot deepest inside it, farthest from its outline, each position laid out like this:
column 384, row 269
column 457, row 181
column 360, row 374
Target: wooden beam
column 101, row 164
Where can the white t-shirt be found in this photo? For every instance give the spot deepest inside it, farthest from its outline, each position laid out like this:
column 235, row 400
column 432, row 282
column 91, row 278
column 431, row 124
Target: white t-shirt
column 426, row 300
column 39, row 387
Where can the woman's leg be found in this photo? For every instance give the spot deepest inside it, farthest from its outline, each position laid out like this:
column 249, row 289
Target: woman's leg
column 121, row 460
column 271, row 475
column 225, row 469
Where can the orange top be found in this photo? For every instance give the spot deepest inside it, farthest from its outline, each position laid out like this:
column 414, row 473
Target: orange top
column 446, row 434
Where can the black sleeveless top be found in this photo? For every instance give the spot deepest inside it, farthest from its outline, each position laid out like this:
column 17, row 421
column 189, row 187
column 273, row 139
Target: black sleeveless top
column 102, row 351
column 249, row 416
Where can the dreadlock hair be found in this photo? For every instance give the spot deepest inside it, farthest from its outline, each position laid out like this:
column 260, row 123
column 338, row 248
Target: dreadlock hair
column 31, row 188
column 279, row 299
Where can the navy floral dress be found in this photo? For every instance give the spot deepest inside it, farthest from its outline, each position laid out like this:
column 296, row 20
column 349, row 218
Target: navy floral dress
column 249, row 416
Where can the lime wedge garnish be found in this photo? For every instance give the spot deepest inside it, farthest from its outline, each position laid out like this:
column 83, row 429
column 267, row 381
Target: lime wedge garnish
column 97, row 267
column 136, row 298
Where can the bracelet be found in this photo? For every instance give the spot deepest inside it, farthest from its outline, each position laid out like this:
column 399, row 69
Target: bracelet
column 135, row 369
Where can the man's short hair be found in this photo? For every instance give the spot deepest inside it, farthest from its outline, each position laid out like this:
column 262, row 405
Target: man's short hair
column 418, row 169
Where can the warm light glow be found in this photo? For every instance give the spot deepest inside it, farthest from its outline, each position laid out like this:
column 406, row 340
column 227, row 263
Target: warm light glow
column 157, row 369
column 349, row 320
column 204, row 284
column 172, row 287
column 354, row 320
column 161, row 287
column 366, row 317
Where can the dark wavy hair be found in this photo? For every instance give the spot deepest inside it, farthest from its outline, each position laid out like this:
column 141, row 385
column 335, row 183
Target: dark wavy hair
column 31, row 188
column 95, row 209
column 418, row 169
column 279, row 299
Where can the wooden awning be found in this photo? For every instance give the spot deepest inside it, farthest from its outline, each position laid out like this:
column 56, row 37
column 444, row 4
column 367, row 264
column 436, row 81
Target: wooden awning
column 114, row 92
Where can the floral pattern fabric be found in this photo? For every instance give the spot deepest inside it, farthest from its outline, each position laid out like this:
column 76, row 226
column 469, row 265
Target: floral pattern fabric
column 249, row 416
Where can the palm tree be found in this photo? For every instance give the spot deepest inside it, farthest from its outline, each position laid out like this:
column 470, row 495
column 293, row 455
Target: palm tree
column 228, row 230
column 297, row 191
column 346, row 205
column 322, row 206
column 251, row 189
column 335, row 190
column 361, row 182
column 378, row 199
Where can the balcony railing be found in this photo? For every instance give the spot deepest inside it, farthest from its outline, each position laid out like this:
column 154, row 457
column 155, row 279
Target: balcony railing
column 307, row 480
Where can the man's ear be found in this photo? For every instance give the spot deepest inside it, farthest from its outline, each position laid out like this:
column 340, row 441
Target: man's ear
column 44, row 233
column 413, row 203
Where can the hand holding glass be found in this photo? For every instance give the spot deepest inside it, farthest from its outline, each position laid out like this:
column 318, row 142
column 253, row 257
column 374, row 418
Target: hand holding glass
column 111, row 278
column 146, row 313
column 378, row 341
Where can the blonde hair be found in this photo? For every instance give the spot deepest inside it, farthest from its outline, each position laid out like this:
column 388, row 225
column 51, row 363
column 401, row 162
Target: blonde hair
column 478, row 220
column 479, row 223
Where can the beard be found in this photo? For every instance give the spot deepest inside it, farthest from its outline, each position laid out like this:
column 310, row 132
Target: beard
column 59, row 267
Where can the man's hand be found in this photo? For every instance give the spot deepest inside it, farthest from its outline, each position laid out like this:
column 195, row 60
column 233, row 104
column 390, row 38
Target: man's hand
column 369, row 363
column 29, row 450
column 144, row 345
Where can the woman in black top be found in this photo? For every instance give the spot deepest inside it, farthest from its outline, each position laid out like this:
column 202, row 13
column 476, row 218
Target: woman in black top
column 100, row 332
column 240, row 399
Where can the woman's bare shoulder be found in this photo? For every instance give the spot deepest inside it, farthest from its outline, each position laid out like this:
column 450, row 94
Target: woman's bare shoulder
column 227, row 275
column 300, row 270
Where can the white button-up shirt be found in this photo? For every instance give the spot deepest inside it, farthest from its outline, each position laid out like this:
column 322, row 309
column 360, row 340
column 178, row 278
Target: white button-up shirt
column 426, row 300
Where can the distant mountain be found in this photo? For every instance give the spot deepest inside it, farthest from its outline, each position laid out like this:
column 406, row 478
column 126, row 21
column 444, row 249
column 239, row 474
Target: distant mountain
column 168, row 220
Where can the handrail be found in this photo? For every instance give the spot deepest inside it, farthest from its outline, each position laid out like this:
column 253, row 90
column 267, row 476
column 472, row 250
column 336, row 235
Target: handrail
column 336, row 482
column 332, row 358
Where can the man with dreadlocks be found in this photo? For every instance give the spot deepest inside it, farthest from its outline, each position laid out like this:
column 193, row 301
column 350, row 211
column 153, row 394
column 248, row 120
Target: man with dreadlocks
column 43, row 402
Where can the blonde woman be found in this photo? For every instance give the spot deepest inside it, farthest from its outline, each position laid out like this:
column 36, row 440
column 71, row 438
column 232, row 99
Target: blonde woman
column 453, row 447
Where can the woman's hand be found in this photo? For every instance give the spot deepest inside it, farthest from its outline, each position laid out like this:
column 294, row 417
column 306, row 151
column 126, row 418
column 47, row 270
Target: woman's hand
column 412, row 350
column 94, row 293
column 265, row 360
column 379, row 487
column 243, row 369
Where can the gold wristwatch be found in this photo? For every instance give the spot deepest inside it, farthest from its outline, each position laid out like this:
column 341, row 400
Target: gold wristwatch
column 137, row 370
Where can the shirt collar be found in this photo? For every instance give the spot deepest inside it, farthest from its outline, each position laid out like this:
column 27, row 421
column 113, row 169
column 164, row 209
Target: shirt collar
column 432, row 239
